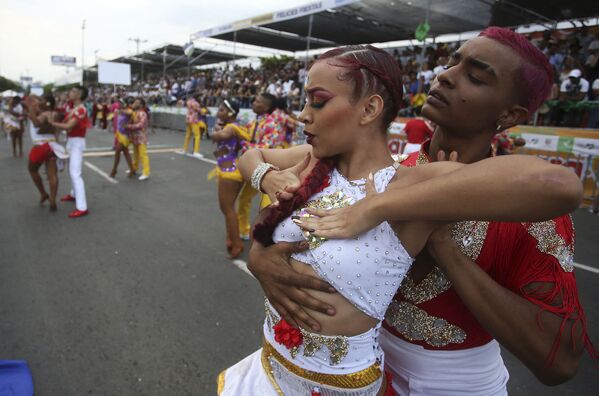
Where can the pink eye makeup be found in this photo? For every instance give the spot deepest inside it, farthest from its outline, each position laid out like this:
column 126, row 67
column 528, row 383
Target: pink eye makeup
column 317, row 97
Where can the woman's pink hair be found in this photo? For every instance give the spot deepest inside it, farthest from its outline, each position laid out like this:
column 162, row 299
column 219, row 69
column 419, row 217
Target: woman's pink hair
column 372, row 71
column 536, row 74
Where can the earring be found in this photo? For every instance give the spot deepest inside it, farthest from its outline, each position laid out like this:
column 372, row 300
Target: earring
column 499, row 128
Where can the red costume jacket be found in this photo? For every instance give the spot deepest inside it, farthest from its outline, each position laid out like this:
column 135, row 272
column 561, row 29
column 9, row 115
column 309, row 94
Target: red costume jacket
column 515, row 255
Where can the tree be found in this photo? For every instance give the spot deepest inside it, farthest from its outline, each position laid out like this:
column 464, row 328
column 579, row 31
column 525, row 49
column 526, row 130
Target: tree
column 274, row 63
column 6, row 84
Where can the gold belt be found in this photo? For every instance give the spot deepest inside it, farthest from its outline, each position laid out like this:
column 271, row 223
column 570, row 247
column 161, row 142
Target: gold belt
column 355, row 380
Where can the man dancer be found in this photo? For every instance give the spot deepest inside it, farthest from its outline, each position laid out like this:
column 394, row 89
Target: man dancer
column 139, row 137
column 263, row 132
column 76, row 123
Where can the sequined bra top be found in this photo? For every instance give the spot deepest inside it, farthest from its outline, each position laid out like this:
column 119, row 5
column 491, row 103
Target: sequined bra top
column 227, row 151
column 368, row 269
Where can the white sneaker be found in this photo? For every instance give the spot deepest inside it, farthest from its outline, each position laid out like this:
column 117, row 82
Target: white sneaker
column 143, row 177
column 197, row 155
column 180, row 151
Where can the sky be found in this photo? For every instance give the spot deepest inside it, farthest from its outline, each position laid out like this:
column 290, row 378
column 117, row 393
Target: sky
column 33, row 30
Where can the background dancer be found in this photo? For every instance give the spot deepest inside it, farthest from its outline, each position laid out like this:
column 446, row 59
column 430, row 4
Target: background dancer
column 122, row 116
column 139, row 137
column 228, row 139
column 192, row 127
column 264, row 132
column 43, row 136
column 14, row 122
column 76, row 123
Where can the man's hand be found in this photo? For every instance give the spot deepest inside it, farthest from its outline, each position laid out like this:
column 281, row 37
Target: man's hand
column 280, row 185
column 440, row 244
column 342, row 223
column 282, row 284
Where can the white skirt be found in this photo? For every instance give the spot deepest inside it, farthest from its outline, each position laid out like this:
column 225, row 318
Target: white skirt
column 418, row 371
column 246, row 378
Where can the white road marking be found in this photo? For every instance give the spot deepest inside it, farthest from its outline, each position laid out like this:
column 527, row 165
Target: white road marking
column 111, row 153
column 242, row 265
column 208, row 160
column 151, row 146
column 586, row 268
column 100, row 172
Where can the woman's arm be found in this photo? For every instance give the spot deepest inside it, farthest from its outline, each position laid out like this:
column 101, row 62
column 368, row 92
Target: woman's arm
column 65, row 125
column 293, row 162
column 281, row 158
column 507, row 188
column 36, row 119
column 223, row 134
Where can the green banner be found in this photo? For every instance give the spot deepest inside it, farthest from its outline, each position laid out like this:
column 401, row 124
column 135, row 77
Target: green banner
column 422, row 31
column 565, row 144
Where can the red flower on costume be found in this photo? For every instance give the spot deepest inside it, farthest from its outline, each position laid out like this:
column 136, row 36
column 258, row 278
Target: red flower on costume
column 287, row 335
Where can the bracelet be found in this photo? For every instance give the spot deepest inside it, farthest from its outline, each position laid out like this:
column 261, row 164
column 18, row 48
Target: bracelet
column 259, row 173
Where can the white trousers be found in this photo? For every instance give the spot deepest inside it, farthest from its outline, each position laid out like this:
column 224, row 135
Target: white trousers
column 417, row 371
column 76, row 146
column 411, row 147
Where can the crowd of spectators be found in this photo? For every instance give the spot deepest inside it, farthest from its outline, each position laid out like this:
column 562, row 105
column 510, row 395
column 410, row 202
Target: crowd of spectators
column 573, row 53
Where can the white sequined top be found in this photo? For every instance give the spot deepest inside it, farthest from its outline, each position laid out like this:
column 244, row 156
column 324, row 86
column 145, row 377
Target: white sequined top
column 366, row 270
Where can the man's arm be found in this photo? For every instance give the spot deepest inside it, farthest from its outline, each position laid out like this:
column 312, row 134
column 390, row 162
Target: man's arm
column 518, row 324
column 65, row 125
column 506, row 188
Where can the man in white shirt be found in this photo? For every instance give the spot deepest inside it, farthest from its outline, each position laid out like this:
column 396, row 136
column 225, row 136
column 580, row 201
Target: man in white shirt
column 575, row 88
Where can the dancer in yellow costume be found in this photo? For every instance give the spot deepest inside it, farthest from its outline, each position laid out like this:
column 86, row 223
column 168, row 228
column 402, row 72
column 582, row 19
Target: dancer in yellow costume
column 139, row 137
column 228, row 139
column 192, row 120
column 264, row 132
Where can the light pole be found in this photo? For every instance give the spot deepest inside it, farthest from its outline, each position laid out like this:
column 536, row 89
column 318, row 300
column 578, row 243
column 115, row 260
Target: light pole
column 137, row 40
column 83, row 51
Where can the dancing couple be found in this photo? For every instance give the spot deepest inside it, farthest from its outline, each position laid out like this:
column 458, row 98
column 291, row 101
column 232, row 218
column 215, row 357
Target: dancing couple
column 354, row 224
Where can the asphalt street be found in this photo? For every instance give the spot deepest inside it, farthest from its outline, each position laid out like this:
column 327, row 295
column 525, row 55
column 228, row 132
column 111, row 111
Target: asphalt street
column 139, row 298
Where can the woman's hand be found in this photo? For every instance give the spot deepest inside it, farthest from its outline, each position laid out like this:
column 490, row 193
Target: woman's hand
column 346, row 222
column 280, row 185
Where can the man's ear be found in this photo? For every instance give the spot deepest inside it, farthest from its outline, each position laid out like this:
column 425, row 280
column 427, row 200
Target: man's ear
column 513, row 116
column 372, row 108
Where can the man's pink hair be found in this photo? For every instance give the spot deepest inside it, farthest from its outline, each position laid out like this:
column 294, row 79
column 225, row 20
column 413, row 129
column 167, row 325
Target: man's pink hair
column 536, row 73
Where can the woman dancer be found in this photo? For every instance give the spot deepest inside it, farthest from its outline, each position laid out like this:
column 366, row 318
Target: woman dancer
column 192, row 127
column 203, row 114
column 122, row 116
column 230, row 181
column 139, row 138
column 353, row 94
column 14, row 122
column 43, row 137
